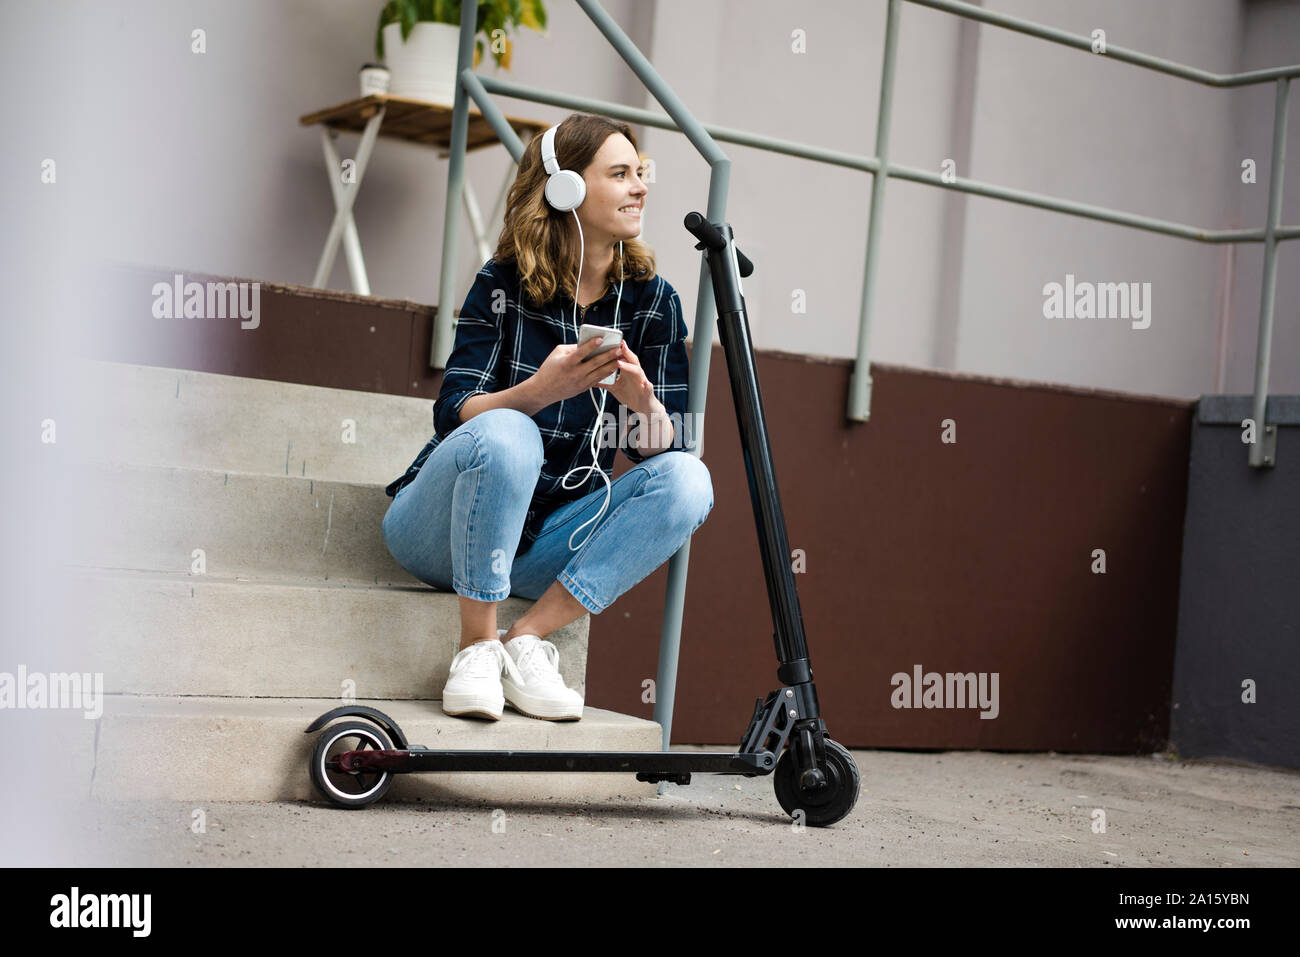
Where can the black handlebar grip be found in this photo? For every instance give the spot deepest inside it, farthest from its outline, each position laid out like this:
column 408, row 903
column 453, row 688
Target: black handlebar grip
column 710, row 236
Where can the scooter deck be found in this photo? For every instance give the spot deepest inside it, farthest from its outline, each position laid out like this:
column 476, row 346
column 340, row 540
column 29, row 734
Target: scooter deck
column 668, row 764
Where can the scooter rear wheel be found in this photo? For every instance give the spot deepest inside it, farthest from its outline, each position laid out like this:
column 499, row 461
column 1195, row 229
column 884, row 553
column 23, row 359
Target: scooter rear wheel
column 828, row 804
column 350, row 789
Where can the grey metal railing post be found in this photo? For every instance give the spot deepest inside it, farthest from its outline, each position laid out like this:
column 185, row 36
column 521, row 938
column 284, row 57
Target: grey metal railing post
column 443, row 325
column 1263, row 451
column 705, row 318
column 473, row 85
column 859, row 408
column 670, row 630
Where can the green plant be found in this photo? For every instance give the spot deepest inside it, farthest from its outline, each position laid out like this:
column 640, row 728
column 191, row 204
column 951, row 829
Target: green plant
column 492, row 15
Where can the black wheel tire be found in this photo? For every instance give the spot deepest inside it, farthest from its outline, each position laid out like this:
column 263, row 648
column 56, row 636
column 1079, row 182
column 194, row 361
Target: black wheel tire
column 350, row 789
column 827, row 805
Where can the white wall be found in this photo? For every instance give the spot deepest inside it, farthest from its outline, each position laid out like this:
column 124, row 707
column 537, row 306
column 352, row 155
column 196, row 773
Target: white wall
column 1070, row 123
column 804, row 223
column 1046, row 119
column 198, row 162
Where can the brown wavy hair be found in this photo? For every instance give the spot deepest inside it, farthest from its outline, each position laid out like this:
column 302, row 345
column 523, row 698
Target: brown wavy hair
column 543, row 241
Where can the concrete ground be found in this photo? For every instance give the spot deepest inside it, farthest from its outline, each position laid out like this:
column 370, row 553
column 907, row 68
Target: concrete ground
column 956, row 808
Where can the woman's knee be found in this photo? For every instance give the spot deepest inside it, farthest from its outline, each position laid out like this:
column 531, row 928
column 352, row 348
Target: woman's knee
column 508, row 434
column 691, row 482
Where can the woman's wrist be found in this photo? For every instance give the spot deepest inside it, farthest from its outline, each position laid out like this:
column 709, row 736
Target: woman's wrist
column 654, row 430
column 532, row 394
column 524, row 397
column 655, row 407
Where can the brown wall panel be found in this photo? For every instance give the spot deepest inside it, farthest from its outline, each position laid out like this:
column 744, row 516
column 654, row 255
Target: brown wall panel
column 308, row 336
column 967, row 557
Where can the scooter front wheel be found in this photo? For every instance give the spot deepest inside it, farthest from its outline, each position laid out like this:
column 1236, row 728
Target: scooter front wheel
column 350, row 789
column 827, row 804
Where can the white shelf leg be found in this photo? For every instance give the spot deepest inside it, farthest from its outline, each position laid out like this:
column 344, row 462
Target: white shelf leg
column 344, row 226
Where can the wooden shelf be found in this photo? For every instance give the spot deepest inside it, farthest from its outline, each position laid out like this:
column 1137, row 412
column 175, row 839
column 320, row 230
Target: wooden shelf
column 416, row 122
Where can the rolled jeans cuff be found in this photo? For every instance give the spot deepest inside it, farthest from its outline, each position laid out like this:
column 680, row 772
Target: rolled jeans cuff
column 579, row 595
column 466, row 592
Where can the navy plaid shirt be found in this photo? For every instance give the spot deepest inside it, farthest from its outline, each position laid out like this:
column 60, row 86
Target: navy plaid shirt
column 499, row 344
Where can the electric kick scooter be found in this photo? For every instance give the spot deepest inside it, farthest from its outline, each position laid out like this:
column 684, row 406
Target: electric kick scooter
column 813, row 776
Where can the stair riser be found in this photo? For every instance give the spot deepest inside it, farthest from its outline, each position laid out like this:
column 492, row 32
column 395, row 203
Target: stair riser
column 192, row 635
column 245, row 526
column 141, row 415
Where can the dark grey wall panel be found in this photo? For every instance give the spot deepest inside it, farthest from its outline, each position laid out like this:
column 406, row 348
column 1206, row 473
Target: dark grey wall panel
column 1239, row 606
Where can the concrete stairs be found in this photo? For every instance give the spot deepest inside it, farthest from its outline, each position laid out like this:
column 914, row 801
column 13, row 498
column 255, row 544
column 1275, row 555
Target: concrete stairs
column 232, row 584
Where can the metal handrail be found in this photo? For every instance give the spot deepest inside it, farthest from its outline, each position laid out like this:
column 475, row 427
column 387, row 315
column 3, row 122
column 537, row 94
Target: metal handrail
column 704, row 136
column 1262, row 452
column 1146, row 61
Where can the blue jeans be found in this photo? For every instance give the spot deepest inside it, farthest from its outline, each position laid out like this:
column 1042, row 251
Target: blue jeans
column 457, row 525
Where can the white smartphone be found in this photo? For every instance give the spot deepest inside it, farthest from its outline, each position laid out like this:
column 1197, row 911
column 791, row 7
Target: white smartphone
column 611, row 337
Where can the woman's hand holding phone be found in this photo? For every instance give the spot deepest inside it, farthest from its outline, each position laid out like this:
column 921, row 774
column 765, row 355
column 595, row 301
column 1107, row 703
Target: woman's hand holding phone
column 632, row 387
column 571, row 369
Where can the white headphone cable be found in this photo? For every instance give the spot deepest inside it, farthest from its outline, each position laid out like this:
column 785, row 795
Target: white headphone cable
column 600, row 409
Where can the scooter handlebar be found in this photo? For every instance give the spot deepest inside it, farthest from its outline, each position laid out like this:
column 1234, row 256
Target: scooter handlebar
column 710, row 236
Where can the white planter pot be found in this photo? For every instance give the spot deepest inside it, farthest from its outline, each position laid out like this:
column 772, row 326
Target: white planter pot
column 424, row 67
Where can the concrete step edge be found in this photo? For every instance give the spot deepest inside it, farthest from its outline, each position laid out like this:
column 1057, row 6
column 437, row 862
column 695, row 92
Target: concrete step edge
column 206, row 748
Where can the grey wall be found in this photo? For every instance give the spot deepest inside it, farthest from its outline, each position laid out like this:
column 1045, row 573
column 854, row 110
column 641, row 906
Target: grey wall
column 1238, row 616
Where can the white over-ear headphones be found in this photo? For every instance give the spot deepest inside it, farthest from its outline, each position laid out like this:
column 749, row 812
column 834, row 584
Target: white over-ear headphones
column 565, row 189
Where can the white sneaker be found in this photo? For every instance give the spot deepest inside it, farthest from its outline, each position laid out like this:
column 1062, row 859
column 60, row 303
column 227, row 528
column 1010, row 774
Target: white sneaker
column 534, row 686
column 474, row 683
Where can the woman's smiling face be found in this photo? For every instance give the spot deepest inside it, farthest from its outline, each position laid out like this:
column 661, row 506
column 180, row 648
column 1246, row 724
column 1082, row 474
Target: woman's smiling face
column 615, row 192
